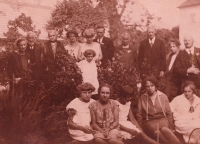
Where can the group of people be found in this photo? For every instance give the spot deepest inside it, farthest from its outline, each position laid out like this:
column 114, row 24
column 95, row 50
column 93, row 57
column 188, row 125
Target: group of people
column 105, row 120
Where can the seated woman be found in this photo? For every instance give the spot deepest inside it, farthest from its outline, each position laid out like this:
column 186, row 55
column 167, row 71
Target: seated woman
column 154, row 114
column 105, row 117
column 186, row 110
column 73, row 47
column 89, row 69
column 18, row 68
column 130, row 129
column 79, row 115
column 89, row 34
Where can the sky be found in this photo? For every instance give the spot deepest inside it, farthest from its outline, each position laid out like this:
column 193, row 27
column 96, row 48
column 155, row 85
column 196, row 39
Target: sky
column 166, row 9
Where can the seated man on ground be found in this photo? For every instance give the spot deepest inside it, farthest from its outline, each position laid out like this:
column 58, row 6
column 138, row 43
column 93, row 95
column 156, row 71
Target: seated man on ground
column 79, row 115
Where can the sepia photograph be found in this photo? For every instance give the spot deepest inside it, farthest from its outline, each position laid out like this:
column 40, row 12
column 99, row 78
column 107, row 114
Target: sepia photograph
column 100, row 72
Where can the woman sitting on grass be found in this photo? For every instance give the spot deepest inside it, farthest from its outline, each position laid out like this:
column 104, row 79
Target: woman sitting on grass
column 130, row 128
column 79, row 115
column 105, row 117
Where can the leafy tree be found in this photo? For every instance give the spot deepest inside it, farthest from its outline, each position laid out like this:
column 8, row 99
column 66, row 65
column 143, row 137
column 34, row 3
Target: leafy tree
column 71, row 14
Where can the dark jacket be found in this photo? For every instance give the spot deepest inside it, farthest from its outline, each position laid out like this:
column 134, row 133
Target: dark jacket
column 184, row 61
column 107, row 48
column 154, row 56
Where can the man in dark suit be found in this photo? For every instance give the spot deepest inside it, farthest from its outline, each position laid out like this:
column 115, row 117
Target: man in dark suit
column 187, row 65
column 107, row 46
column 152, row 55
column 34, row 51
column 173, row 83
column 51, row 49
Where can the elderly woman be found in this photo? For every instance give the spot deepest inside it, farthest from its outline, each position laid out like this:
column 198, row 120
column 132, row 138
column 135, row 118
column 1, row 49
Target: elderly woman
column 89, row 34
column 105, row 117
column 79, row 115
column 154, row 114
column 186, row 110
column 18, row 67
column 125, row 53
column 73, row 47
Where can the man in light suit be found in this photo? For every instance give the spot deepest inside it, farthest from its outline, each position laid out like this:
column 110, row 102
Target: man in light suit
column 187, row 65
column 51, row 49
column 34, row 51
column 107, row 46
column 152, row 55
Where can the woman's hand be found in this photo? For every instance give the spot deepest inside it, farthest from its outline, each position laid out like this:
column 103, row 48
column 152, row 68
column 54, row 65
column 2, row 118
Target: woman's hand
column 87, row 130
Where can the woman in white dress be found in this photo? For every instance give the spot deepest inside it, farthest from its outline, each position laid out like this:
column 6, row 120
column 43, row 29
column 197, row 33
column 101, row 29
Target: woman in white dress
column 79, row 115
column 73, row 47
column 130, row 128
column 186, row 110
column 89, row 34
column 89, row 69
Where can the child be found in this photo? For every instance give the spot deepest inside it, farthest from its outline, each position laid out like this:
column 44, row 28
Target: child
column 130, row 128
column 89, row 69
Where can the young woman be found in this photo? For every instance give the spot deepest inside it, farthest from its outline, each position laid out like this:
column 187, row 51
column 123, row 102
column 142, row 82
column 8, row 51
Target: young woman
column 130, row 128
column 105, row 118
column 89, row 69
column 73, row 47
column 89, row 34
column 154, row 114
column 186, row 110
column 79, row 115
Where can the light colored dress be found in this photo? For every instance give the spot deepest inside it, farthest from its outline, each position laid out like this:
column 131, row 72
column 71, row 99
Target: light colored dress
column 89, row 73
column 123, row 116
column 82, row 117
column 73, row 51
column 105, row 118
column 185, row 121
column 94, row 46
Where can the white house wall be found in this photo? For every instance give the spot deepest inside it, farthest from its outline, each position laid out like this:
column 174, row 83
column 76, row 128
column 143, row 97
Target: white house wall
column 190, row 24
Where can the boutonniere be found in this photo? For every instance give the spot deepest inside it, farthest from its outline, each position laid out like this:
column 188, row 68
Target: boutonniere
column 197, row 54
column 128, row 51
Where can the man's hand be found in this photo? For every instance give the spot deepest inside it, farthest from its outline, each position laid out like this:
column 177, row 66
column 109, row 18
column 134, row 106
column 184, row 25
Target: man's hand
column 161, row 73
column 193, row 70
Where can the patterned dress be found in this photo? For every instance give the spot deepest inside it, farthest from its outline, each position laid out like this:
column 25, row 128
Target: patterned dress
column 105, row 118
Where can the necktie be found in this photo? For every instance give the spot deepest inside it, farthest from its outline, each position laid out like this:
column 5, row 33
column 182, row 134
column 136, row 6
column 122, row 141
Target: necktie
column 151, row 43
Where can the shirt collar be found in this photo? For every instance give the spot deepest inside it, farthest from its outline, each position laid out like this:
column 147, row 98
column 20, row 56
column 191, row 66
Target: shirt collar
column 152, row 40
column 127, row 46
column 190, row 49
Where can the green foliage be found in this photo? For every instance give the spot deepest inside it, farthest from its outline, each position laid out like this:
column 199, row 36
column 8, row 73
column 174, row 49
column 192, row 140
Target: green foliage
column 75, row 14
column 21, row 23
column 117, row 75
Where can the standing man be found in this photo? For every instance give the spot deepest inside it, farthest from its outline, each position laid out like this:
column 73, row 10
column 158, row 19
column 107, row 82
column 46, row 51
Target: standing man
column 107, row 46
column 51, row 49
column 187, row 65
column 152, row 55
column 34, row 51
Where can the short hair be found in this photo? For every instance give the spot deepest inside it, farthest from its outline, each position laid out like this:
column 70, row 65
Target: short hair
column 30, row 33
column 126, row 35
column 18, row 41
column 89, row 33
column 50, row 31
column 175, row 41
column 189, row 84
column 105, row 85
column 152, row 79
column 100, row 26
column 72, row 32
column 151, row 27
column 89, row 52
column 85, row 87
column 125, row 91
